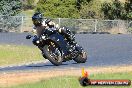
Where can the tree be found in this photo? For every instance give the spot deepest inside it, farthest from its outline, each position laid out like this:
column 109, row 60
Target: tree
column 128, row 10
column 10, row 7
column 28, row 4
column 112, row 10
column 117, row 10
column 79, row 3
column 55, row 8
column 91, row 10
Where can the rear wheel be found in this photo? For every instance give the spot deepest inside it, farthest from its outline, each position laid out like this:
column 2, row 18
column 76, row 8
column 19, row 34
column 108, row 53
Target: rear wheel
column 81, row 58
column 53, row 54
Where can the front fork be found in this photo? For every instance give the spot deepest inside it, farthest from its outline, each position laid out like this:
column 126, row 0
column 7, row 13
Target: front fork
column 41, row 47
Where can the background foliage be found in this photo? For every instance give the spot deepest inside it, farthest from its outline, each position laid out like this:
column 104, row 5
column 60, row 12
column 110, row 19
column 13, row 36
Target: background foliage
column 10, row 8
column 58, row 8
column 28, row 4
column 117, row 10
column 89, row 9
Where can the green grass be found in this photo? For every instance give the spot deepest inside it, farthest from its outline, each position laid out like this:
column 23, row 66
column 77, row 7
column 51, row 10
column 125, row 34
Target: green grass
column 72, row 82
column 12, row 54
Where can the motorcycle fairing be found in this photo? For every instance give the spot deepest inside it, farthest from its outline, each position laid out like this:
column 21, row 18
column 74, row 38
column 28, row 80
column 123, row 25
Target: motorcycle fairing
column 59, row 39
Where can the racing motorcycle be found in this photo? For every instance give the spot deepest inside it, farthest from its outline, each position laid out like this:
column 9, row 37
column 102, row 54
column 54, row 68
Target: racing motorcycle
column 55, row 48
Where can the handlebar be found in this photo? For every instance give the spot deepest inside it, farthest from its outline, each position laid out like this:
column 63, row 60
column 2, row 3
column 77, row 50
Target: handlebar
column 29, row 36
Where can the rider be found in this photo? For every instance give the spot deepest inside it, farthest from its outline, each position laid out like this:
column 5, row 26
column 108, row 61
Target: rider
column 41, row 24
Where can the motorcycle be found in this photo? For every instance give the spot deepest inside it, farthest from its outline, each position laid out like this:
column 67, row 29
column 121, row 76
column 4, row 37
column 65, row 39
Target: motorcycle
column 55, row 48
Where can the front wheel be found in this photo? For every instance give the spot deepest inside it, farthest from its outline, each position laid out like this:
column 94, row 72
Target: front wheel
column 53, row 54
column 81, row 58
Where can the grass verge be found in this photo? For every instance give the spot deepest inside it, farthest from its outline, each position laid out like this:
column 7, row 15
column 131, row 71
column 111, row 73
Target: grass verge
column 12, row 54
column 72, row 81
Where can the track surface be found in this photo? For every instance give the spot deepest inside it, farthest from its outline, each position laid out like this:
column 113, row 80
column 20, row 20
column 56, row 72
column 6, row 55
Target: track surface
column 103, row 50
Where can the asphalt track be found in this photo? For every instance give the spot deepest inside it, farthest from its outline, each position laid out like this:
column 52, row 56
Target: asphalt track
column 102, row 49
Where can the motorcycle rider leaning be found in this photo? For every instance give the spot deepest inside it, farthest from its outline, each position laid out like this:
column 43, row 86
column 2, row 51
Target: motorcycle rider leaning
column 41, row 24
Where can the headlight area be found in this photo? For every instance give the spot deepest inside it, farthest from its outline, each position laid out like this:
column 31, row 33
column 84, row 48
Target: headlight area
column 37, row 41
column 43, row 37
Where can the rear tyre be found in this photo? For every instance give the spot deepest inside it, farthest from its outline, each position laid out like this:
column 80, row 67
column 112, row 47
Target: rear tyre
column 53, row 54
column 81, row 58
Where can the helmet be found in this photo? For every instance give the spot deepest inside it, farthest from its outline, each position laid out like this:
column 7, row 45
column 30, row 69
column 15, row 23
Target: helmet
column 37, row 19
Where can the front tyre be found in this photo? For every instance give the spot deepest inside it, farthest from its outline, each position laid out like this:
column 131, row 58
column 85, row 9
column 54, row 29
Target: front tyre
column 81, row 58
column 53, row 54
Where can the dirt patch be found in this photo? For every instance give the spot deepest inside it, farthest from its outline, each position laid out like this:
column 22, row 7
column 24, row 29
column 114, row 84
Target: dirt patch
column 17, row 78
